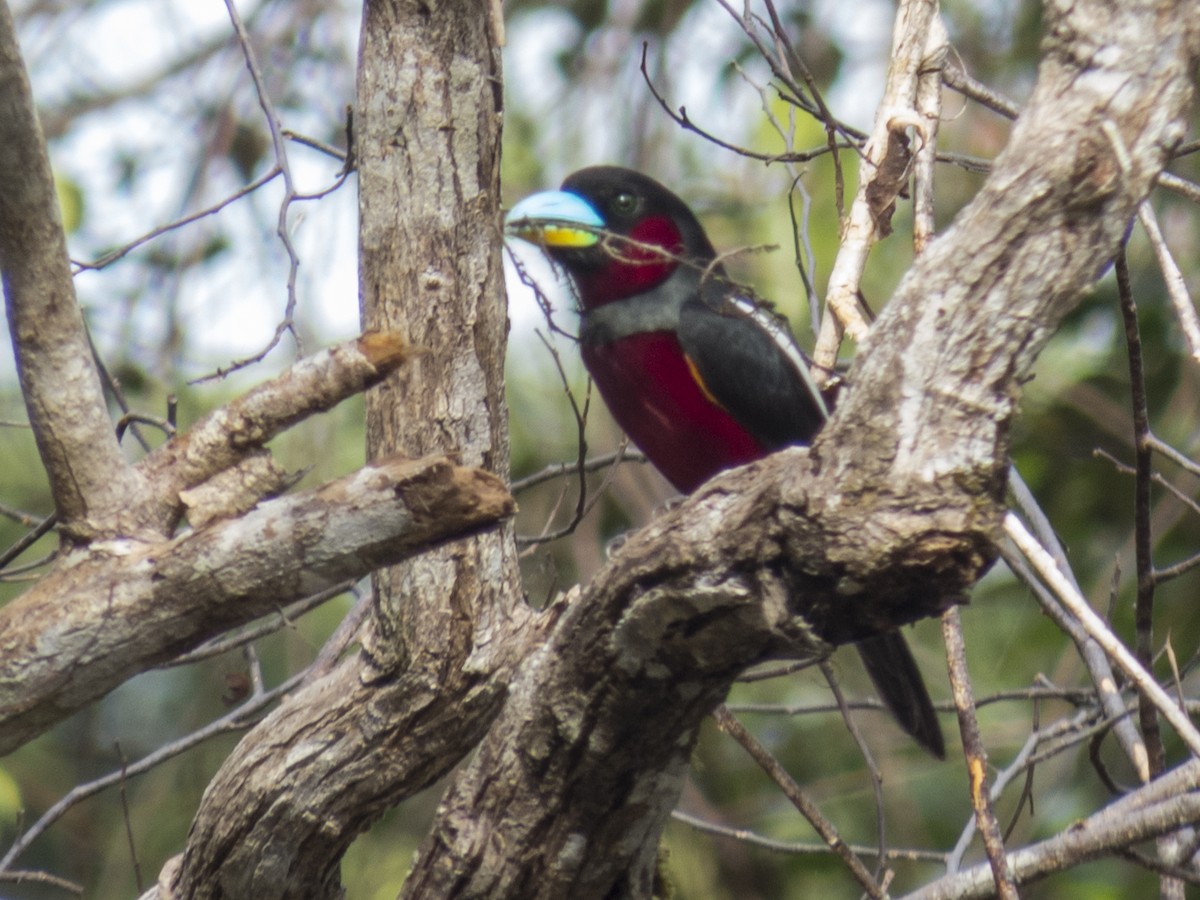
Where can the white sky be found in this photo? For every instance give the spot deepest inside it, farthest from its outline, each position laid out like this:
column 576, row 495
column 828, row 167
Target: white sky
column 232, row 308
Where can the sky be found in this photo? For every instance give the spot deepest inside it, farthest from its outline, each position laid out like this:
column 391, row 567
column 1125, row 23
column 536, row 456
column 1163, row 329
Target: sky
column 228, row 307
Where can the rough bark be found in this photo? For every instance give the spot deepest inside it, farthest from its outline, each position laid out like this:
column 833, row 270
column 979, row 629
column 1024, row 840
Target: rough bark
column 89, row 479
column 448, row 629
column 893, row 514
column 225, row 437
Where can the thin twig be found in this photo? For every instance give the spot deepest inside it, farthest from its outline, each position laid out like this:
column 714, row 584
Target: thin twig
column 343, row 636
column 240, row 718
column 757, row 840
column 872, row 768
column 1143, row 538
column 957, row 78
column 25, row 876
column 113, row 255
column 1023, row 763
column 137, row 866
column 1185, row 309
column 40, row 530
column 1181, row 186
column 1106, row 682
column 268, row 625
column 786, row 58
column 976, row 756
column 808, row 809
column 1174, row 455
column 1043, row 564
column 623, row 454
column 279, row 148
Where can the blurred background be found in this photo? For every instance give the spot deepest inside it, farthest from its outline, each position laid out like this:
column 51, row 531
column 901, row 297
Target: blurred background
column 152, row 117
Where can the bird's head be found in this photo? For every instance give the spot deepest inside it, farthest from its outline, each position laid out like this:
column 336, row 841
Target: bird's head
column 617, row 232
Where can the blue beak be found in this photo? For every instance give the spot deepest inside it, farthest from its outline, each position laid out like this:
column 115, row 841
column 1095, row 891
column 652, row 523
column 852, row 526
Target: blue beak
column 555, row 219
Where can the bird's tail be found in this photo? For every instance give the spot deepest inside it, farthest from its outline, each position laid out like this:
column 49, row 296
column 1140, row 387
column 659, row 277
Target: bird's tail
column 900, row 686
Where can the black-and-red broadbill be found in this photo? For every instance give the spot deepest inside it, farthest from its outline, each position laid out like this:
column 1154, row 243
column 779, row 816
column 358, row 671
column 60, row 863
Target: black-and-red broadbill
column 699, row 376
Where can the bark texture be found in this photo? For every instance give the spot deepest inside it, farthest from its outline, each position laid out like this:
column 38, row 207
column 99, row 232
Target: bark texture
column 448, row 629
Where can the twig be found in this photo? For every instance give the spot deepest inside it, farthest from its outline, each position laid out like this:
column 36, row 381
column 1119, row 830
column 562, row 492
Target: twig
column 757, row 840
column 137, row 866
column 957, row 78
column 1103, row 832
column 1107, row 688
column 279, row 147
column 581, row 416
column 802, row 248
column 1185, row 309
column 622, row 454
column 113, row 386
column 321, row 146
column 22, row 518
column 1143, row 552
column 1023, row 762
column 929, row 108
column 872, row 768
column 539, row 295
column 269, row 625
column 237, row 719
column 1143, row 536
column 1043, row 564
column 824, row 116
column 113, row 255
column 918, row 37
column 343, row 636
column 976, row 756
column 684, row 121
column 1074, row 696
column 1026, row 795
column 806, row 807
column 1174, row 455
column 42, row 528
column 1180, row 186
column 25, row 876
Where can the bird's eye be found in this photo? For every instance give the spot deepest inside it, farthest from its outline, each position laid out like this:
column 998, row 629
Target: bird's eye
column 624, row 203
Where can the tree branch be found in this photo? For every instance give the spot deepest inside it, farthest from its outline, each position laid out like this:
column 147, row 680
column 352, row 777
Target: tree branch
column 89, row 479
column 447, row 629
column 106, row 615
column 918, row 43
column 227, row 436
column 1146, row 813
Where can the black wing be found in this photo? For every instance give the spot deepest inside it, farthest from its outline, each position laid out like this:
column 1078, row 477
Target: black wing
column 749, row 363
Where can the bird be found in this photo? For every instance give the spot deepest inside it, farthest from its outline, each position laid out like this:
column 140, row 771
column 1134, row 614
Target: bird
column 700, row 375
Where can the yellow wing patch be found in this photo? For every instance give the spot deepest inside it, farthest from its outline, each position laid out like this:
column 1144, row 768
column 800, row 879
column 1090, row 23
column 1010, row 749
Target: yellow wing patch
column 700, row 383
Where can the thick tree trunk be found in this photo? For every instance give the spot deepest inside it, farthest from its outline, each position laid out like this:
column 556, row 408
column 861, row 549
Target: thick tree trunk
column 449, row 628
